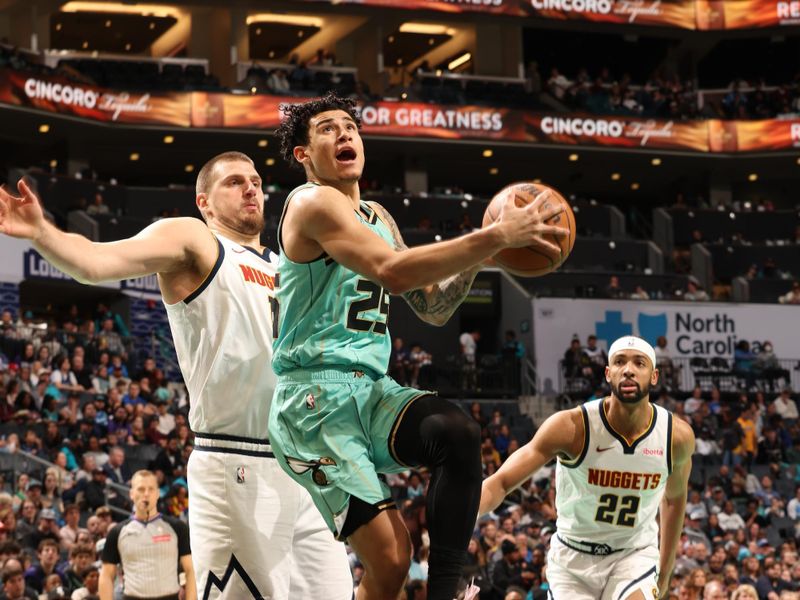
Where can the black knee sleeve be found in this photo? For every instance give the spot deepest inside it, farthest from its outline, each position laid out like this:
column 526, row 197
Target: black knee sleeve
column 437, row 434
column 434, row 431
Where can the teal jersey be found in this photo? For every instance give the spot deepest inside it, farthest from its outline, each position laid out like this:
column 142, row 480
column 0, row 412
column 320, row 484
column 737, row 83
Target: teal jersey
column 328, row 315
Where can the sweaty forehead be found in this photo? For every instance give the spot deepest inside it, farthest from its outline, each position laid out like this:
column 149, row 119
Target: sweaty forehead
column 629, row 355
column 227, row 168
column 337, row 115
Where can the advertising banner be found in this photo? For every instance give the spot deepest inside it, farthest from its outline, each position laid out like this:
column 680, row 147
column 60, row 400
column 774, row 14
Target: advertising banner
column 686, row 14
column 746, row 14
column 21, row 262
column 593, row 130
column 399, row 119
column 754, row 136
column 671, row 13
column 692, row 329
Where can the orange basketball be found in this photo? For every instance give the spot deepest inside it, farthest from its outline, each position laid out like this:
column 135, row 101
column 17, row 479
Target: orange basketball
column 531, row 261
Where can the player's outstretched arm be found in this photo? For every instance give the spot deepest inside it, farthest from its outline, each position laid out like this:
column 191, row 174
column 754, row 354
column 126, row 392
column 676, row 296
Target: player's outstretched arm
column 673, row 503
column 163, row 247
column 324, row 216
column 436, row 303
column 561, row 434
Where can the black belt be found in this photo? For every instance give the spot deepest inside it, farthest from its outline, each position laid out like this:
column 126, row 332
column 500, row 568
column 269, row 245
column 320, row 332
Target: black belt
column 588, row 547
column 169, row 597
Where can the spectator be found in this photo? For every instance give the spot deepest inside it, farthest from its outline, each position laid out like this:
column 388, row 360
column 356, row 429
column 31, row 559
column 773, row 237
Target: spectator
column 793, row 507
column 715, row 590
column 95, row 493
column 90, row 589
column 469, row 345
column 98, row 207
column 576, row 362
column 767, row 366
column 399, row 361
column 47, row 553
column 507, row 571
column 14, row 586
column 729, row 519
column 415, row 487
column 598, row 359
column 64, row 379
column 80, row 558
column 745, row 592
column 770, row 582
column 115, row 468
column 46, row 529
column 792, row 296
column 613, row 289
column 69, row 532
column 786, row 407
column 743, row 362
column 694, row 402
column 170, row 460
column 421, row 365
column 694, row 292
column 278, row 82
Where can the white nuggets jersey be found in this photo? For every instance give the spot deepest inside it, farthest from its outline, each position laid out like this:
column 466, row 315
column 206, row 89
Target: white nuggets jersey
column 610, row 494
column 223, row 339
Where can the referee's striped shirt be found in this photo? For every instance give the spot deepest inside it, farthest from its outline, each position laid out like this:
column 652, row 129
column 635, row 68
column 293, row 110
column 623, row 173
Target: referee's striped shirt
column 149, row 552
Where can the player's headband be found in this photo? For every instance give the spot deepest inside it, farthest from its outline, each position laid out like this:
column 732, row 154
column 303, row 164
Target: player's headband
column 631, row 342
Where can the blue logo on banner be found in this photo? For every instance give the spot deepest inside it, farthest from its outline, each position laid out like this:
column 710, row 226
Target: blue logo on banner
column 38, row 267
column 651, row 327
column 613, row 327
column 148, row 283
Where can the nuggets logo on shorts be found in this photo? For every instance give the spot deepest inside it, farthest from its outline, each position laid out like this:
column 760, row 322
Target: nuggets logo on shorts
column 239, row 474
column 300, row 466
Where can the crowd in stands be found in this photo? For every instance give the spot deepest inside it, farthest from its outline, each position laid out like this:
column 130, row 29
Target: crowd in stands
column 600, row 92
column 77, row 409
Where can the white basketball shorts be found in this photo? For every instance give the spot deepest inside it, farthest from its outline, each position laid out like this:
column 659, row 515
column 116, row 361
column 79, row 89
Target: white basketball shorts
column 254, row 532
column 576, row 575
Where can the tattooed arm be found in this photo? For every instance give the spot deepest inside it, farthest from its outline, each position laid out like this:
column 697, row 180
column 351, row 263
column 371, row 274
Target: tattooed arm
column 436, row 303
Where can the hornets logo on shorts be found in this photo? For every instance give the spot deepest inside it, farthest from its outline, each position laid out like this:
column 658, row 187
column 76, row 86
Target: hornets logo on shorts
column 301, row 466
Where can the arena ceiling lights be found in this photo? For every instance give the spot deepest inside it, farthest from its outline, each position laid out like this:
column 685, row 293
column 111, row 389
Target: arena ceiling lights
column 300, row 20
column 148, row 10
column 427, row 29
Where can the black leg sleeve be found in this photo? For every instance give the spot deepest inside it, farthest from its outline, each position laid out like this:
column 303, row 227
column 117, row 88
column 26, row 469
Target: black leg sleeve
column 435, row 433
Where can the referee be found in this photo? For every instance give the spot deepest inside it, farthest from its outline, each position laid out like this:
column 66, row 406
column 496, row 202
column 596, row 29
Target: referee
column 150, row 547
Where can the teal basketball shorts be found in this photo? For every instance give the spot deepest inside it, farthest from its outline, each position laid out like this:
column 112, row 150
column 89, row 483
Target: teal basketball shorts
column 333, row 431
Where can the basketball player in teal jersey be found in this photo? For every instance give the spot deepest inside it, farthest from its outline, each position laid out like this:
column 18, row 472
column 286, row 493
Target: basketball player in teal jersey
column 338, row 420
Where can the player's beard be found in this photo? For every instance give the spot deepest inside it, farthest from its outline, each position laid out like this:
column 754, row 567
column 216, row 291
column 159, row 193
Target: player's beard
column 641, row 392
column 248, row 225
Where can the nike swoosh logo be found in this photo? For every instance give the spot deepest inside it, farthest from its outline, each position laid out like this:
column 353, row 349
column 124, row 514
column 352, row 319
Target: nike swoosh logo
column 599, row 449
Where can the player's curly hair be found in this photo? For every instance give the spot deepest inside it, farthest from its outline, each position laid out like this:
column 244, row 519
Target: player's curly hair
column 293, row 131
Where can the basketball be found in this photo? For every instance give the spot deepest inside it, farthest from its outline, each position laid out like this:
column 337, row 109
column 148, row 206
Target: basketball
column 531, row 261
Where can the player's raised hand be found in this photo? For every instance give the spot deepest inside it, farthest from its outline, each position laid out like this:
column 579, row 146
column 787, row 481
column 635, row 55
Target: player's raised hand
column 20, row 216
column 527, row 225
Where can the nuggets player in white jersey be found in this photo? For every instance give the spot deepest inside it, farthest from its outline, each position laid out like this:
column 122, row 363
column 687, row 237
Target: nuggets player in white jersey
column 254, row 532
column 621, row 462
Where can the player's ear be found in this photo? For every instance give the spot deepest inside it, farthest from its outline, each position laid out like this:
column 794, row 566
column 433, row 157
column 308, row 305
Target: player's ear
column 201, row 200
column 300, row 154
column 608, row 375
column 654, row 377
